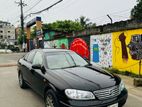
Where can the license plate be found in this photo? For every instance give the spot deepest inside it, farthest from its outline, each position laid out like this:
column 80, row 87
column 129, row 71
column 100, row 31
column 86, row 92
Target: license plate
column 114, row 105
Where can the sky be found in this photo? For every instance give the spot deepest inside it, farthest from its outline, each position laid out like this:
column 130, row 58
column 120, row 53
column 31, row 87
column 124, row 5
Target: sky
column 95, row 10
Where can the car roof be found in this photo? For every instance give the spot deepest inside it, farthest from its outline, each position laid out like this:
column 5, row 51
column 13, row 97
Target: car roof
column 53, row 50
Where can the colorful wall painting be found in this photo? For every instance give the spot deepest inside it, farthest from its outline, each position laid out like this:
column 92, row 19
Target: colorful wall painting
column 80, row 46
column 135, row 47
column 101, row 49
column 122, row 59
column 49, row 35
column 95, row 53
column 48, row 44
column 60, row 43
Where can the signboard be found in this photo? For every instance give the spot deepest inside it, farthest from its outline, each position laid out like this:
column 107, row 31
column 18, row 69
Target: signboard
column 39, row 33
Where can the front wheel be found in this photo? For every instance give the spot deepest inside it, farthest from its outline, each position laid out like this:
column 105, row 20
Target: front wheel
column 22, row 83
column 51, row 99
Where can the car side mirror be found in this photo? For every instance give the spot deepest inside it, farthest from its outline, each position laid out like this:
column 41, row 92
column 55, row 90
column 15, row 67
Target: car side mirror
column 36, row 66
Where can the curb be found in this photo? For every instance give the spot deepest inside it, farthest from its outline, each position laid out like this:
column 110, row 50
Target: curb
column 8, row 65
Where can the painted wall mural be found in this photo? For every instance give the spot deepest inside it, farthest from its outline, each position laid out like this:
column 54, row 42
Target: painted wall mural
column 101, row 49
column 122, row 39
column 135, row 47
column 60, row 43
column 49, row 44
column 123, row 58
column 49, row 35
column 80, row 46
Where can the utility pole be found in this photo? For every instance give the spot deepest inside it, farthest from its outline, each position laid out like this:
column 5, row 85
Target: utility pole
column 21, row 4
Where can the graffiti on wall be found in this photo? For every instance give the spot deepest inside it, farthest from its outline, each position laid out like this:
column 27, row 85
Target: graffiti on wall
column 135, row 47
column 125, row 55
column 80, row 46
column 122, row 39
column 101, row 49
column 49, row 44
column 60, row 43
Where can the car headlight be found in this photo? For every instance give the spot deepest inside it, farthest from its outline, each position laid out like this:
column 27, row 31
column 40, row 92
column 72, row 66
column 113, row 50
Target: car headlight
column 79, row 94
column 121, row 86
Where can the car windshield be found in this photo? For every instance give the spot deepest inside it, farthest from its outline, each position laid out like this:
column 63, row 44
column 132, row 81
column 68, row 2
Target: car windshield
column 61, row 60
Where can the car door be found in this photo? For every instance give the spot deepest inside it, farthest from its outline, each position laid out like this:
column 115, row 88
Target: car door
column 37, row 75
column 22, row 66
column 27, row 65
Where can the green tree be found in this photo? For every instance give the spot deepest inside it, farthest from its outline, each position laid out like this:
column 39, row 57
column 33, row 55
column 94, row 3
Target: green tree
column 136, row 12
column 21, row 38
column 85, row 22
column 33, row 33
column 65, row 26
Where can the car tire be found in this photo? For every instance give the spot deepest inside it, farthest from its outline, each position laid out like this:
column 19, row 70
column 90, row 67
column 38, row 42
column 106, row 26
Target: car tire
column 22, row 83
column 51, row 99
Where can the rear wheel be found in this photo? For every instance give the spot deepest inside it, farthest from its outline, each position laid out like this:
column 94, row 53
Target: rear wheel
column 51, row 99
column 22, row 83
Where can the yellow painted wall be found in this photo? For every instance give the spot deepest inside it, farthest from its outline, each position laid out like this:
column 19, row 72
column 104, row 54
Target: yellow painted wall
column 117, row 61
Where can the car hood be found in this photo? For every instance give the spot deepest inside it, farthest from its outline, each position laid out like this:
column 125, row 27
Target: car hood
column 86, row 78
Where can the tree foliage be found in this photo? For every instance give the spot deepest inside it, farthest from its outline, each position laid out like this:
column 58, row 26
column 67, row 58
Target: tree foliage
column 33, row 33
column 65, row 26
column 136, row 12
column 85, row 22
column 24, row 37
column 21, row 38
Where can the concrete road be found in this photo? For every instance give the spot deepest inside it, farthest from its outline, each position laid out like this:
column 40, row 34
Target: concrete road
column 10, row 57
column 13, row 96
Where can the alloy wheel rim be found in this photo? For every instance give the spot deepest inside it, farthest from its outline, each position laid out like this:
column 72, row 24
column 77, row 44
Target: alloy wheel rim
column 49, row 101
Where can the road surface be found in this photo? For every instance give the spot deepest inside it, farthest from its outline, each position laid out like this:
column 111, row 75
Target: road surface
column 10, row 57
column 11, row 95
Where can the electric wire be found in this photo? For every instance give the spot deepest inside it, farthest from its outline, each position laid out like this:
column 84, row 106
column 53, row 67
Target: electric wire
column 70, row 4
column 47, row 8
column 33, row 6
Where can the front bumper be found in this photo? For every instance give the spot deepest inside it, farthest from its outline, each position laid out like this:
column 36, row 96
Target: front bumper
column 121, row 99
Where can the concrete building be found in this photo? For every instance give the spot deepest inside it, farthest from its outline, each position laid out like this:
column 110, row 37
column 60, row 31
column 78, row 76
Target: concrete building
column 7, row 33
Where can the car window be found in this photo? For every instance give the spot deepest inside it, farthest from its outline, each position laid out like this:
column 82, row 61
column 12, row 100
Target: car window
column 59, row 61
column 37, row 58
column 78, row 59
column 31, row 56
column 64, row 60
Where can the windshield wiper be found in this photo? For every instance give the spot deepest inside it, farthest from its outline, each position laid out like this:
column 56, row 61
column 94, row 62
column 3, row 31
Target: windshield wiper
column 71, row 66
column 88, row 65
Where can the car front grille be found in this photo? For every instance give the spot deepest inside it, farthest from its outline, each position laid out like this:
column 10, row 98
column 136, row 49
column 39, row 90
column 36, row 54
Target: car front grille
column 107, row 93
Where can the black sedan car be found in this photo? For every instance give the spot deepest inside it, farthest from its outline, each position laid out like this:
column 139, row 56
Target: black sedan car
column 64, row 79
